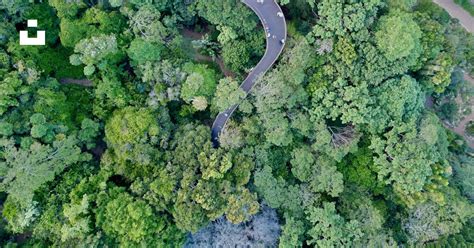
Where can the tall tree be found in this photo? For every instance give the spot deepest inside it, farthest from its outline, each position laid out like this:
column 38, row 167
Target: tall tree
column 26, row 169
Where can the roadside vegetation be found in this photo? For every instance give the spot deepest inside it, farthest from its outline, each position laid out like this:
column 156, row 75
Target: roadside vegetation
column 468, row 5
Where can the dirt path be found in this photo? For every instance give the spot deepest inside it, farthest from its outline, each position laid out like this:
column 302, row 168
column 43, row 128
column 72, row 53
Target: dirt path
column 456, row 11
column 467, row 21
column 461, row 127
column 186, row 32
column 218, row 61
column 81, row 82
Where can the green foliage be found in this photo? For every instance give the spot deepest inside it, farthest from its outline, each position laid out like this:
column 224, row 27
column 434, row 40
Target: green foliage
column 67, row 216
column 54, row 104
column 94, row 52
column 325, row 178
column 463, row 170
column 6, row 129
column 277, row 193
column 429, row 221
column 396, row 109
column 67, row 9
column 470, row 128
column 291, row 233
column 402, row 4
column 130, row 135
column 201, row 81
column 280, row 92
column 237, row 55
column 217, row 188
column 200, row 103
column 359, row 168
column 463, row 239
column 46, row 21
column 26, row 170
column 398, row 36
column 338, row 18
column 335, row 137
column 110, row 94
column 116, row 3
column 94, row 22
column 89, row 131
column 14, row 9
column 19, row 217
column 448, row 111
column 227, row 12
column 329, row 229
column 302, row 163
column 146, row 23
column 228, row 94
column 405, row 156
column 141, row 51
column 357, row 205
column 191, row 86
column 437, row 73
column 39, row 127
column 10, row 88
column 129, row 220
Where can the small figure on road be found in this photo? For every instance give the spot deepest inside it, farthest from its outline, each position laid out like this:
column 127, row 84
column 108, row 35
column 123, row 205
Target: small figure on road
column 260, row 1
column 282, row 41
column 280, row 14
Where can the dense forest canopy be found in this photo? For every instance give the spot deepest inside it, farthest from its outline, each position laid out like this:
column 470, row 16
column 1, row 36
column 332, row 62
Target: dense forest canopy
column 105, row 136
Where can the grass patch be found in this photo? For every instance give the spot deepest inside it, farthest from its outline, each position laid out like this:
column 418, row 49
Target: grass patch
column 467, row 5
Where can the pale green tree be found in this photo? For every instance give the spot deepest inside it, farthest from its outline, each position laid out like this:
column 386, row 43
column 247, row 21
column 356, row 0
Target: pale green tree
column 93, row 51
column 227, row 94
column 26, row 170
column 398, row 36
column 329, row 229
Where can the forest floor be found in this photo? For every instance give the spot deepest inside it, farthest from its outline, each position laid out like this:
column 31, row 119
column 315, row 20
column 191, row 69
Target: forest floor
column 191, row 35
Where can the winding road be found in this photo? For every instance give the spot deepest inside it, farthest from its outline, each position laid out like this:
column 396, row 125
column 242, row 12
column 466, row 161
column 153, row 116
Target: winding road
column 273, row 21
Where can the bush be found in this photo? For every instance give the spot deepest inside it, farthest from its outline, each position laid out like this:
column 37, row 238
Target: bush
column 470, row 129
column 448, row 111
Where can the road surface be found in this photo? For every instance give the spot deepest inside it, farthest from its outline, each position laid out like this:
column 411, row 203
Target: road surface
column 273, row 21
column 456, row 11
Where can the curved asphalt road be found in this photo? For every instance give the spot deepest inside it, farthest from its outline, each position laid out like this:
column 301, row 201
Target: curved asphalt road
column 275, row 31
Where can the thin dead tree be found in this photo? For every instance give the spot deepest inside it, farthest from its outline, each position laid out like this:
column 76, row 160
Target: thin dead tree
column 342, row 136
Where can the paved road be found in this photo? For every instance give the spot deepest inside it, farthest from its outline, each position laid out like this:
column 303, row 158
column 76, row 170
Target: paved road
column 275, row 31
column 454, row 10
